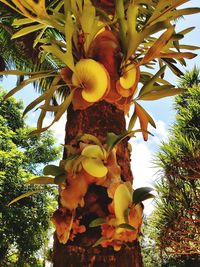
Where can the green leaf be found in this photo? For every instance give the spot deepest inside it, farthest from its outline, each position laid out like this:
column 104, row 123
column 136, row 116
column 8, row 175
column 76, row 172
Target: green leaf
column 69, row 29
column 158, row 45
column 11, row 6
column 141, row 194
column 149, row 85
column 162, row 91
column 39, row 37
column 60, row 178
column 187, row 30
column 119, row 6
column 26, row 82
column 20, row 22
column 99, row 241
column 27, row 30
column 67, row 7
column 113, row 139
column 97, row 222
column 41, row 180
column 132, row 121
column 186, row 11
column 132, row 33
column 61, row 109
column 52, row 170
column 48, row 94
column 56, row 51
column 29, row 73
column 173, row 68
column 126, row 226
column 24, row 195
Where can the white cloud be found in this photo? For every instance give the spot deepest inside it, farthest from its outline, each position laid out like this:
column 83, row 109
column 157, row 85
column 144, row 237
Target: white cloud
column 58, row 127
column 161, row 132
column 144, row 172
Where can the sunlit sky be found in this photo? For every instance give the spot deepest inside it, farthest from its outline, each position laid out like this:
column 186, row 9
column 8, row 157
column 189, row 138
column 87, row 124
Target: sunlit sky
column 161, row 111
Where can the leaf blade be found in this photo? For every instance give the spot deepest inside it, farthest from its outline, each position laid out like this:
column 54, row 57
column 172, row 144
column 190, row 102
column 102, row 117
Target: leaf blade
column 24, row 195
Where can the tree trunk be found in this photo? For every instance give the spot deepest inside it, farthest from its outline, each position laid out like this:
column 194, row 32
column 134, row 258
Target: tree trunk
column 97, row 120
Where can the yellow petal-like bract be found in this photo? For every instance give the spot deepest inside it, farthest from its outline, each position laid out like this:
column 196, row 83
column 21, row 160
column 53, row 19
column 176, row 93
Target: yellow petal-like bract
column 92, row 77
column 94, row 151
column 122, row 199
column 94, row 167
column 129, row 76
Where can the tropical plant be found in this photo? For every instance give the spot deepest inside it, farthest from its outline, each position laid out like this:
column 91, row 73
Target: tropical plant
column 97, row 50
column 177, row 210
column 23, row 227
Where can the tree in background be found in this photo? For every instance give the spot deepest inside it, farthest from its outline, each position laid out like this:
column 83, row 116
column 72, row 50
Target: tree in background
column 176, row 216
column 96, row 52
column 23, row 227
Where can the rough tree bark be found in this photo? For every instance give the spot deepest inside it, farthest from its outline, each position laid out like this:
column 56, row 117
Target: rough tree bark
column 97, row 120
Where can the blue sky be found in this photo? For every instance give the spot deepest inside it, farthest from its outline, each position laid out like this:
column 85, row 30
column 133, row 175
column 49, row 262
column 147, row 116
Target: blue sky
column 161, row 110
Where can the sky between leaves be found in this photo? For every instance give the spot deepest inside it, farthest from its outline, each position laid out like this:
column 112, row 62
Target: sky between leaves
column 161, row 111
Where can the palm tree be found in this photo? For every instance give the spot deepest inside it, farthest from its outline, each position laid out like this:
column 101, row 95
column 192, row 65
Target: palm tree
column 91, row 55
column 177, row 210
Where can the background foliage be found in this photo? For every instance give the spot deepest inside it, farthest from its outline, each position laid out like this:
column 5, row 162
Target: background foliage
column 23, row 225
column 176, row 217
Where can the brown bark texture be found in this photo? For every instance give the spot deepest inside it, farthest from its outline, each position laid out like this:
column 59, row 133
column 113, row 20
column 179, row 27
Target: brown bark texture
column 97, row 120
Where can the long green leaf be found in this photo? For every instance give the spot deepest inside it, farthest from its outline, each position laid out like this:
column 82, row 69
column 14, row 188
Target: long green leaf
column 158, row 45
column 132, row 121
column 69, row 30
column 48, row 94
column 163, row 8
column 97, row 222
column 60, row 111
column 26, row 82
column 41, row 180
column 27, row 30
column 99, row 241
column 11, row 6
column 24, row 21
column 122, row 22
column 186, row 11
column 126, row 226
column 19, row 72
column 162, row 92
column 132, row 33
column 24, row 195
column 39, row 37
column 150, row 84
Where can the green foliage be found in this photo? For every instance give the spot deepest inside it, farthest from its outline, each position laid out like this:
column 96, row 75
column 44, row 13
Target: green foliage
column 23, row 225
column 53, row 31
column 176, row 216
column 141, row 194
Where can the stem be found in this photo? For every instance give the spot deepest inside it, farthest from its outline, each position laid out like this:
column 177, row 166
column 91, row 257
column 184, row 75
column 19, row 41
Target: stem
column 122, row 23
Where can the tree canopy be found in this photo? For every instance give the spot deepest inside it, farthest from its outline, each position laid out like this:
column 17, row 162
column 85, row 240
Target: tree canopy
column 176, row 216
column 23, row 225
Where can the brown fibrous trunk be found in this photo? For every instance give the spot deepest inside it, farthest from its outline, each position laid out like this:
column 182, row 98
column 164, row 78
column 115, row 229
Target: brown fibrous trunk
column 98, row 120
